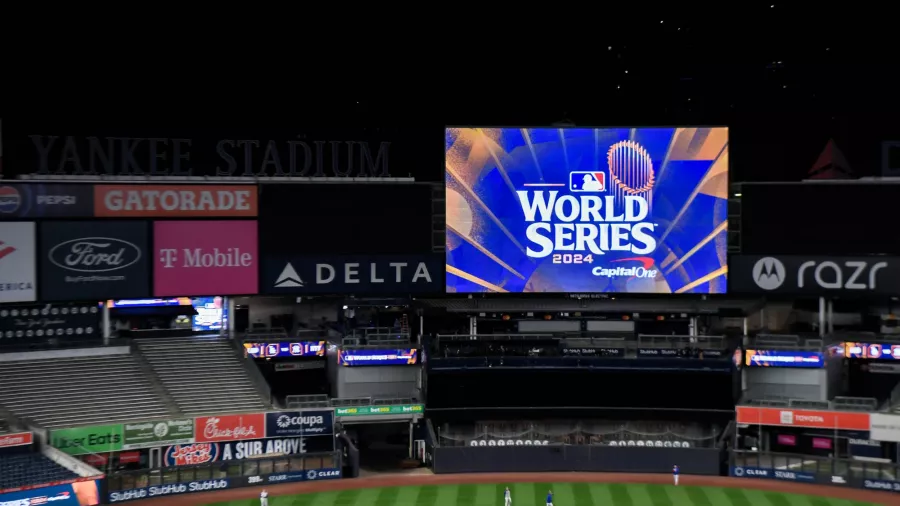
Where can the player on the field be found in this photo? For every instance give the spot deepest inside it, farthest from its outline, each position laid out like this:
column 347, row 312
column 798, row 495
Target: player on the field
column 507, row 497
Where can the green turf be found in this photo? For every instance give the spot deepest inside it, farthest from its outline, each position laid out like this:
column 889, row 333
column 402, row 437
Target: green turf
column 564, row 494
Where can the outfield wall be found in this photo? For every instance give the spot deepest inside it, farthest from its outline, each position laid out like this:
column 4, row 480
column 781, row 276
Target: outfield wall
column 586, row 458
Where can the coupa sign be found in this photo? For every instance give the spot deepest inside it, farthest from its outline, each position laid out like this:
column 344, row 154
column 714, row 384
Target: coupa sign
column 814, row 275
column 171, row 489
column 300, row 423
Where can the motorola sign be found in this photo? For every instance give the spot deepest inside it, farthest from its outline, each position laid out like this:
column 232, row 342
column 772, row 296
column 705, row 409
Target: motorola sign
column 799, row 275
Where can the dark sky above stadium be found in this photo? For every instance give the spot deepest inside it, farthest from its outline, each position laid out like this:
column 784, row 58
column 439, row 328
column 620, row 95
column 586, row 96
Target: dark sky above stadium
column 785, row 78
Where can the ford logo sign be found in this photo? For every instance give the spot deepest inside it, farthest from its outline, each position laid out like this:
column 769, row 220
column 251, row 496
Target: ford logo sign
column 94, row 254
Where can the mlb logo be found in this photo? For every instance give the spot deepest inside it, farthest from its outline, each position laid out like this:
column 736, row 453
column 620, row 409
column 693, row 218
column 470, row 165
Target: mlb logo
column 585, row 181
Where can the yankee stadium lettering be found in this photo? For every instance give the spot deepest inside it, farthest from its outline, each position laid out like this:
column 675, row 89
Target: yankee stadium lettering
column 589, row 223
column 160, row 156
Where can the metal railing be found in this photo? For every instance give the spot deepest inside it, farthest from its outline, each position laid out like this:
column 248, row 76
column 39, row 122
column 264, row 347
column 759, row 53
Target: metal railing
column 319, row 401
column 664, row 341
column 128, row 480
column 784, row 342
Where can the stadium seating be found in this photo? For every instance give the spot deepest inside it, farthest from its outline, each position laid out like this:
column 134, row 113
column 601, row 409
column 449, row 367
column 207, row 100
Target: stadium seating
column 203, row 375
column 25, row 469
column 79, row 391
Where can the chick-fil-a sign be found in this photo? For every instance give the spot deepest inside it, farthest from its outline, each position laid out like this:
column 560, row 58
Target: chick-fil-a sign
column 216, row 429
column 205, row 258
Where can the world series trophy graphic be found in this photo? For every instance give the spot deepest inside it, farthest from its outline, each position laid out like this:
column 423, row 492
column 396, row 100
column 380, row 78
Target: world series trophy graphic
column 630, row 171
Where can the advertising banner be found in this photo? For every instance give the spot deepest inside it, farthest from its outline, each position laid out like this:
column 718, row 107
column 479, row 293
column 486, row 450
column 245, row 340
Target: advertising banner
column 205, row 258
column 886, row 485
column 593, row 352
column 158, row 433
column 833, row 420
column 363, row 357
column 294, row 476
column 16, row 439
column 77, row 493
column 213, row 429
column 17, row 262
column 94, row 260
column 50, row 320
column 775, row 474
column 204, row 453
column 872, row 351
column 884, row 427
column 82, row 440
column 815, row 275
column 175, row 201
column 38, row 200
column 614, row 210
column 170, row 489
column 285, row 349
column 285, row 275
column 300, row 423
column 784, row 358
column 399, row 409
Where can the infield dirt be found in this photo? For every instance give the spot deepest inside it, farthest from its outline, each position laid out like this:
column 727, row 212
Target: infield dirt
column 458, row 479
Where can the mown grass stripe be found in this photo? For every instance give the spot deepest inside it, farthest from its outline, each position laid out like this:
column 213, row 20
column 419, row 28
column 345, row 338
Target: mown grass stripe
column 427, row 496
column 540, row 492
column 582, row 494
column 465, row 495
column 697, row 496
column 387, row 496
column 818, row 501
column 620, row 494
column 736, row 497
column 658, row 495
column 777, row 499
column 346, row 497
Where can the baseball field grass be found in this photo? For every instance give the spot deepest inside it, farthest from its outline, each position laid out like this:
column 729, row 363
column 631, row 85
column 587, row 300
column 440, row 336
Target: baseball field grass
column 564, row 494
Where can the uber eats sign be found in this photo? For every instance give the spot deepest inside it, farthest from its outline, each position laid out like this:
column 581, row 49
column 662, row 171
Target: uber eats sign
column 82, row 440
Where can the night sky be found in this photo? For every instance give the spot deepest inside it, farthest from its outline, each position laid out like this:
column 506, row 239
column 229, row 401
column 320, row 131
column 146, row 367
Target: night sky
column 786, row 79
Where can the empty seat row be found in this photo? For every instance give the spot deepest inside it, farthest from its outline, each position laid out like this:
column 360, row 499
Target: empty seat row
column 203, row 375
column 79, row 391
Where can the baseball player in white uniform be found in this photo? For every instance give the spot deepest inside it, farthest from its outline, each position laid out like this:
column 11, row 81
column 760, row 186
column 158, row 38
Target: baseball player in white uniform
column 507, row 498
column 264, row 498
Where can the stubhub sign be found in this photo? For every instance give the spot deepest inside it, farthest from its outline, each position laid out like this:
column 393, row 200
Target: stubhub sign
column 172, row 489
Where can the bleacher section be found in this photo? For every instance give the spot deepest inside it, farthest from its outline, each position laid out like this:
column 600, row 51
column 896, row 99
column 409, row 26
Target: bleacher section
column 66, row 392
column 25, row 469
column 581, row 432
column 203, row 375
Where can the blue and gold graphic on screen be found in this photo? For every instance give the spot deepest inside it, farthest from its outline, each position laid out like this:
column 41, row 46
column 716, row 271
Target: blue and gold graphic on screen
column 563, row 210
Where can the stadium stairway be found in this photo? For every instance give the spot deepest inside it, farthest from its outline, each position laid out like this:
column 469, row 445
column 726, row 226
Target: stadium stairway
column 204, row 375
column 67, row 392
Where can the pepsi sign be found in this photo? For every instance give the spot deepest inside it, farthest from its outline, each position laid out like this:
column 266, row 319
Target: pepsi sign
column 32, row 200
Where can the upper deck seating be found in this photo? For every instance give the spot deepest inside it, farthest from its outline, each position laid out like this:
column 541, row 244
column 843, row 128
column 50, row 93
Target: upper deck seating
column 204, row 375
column 67, row 392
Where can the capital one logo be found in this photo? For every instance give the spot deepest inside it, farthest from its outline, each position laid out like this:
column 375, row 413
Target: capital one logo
column 768, row 273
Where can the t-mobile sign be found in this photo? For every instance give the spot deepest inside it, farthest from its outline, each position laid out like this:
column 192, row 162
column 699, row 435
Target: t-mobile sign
column 205, row 258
